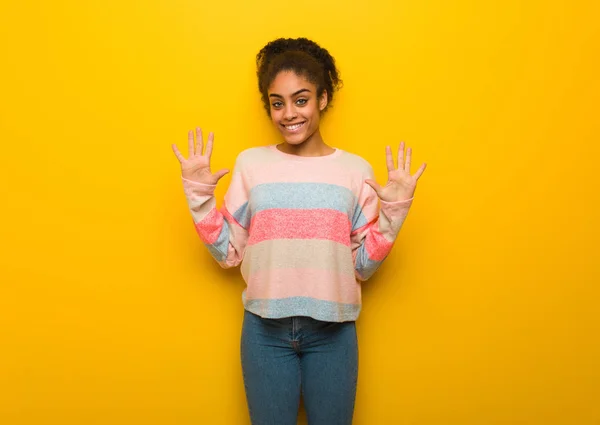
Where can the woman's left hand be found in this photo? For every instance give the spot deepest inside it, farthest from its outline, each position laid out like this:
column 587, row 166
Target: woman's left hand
column 401, row 185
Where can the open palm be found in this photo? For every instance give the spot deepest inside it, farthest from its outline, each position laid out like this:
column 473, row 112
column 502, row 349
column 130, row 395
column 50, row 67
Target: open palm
column 197, row 166
column 401, row 184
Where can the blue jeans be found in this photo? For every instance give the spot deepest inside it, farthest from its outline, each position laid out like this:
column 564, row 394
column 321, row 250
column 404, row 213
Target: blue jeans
column 283, row 358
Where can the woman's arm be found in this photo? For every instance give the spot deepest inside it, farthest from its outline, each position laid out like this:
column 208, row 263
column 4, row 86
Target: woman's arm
column 375, row 229
column 223, row 231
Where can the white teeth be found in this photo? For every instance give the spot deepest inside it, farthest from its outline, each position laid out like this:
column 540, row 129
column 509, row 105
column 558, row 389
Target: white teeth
column 294, row 127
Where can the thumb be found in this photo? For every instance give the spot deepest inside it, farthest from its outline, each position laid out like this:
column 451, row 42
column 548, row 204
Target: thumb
column 374, row 185
column 220, row 173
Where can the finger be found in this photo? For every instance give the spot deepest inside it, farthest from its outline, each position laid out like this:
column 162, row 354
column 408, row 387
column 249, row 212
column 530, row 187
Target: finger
column 190, row 144
column 177, row 153
column 374, row 185
column 220, row 173
column 199, row 141
column 401, row 155
column 388, row 158
column 408, row 157
column 209, row 144
column 420, row 171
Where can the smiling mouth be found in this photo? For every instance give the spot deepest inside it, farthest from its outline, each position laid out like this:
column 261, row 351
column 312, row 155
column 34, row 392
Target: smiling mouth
column 294, row 127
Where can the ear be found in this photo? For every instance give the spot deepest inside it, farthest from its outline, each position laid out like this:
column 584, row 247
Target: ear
column 323, row 100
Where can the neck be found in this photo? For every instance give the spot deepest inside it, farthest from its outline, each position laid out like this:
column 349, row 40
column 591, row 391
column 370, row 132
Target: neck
column 313, row 146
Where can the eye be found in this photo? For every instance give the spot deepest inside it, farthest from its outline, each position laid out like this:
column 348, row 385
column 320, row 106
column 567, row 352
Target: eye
column 277, row 104
column 302, row 101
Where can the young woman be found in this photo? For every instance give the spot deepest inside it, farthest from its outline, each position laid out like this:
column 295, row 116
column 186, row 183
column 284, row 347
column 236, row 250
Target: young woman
column 307, row 222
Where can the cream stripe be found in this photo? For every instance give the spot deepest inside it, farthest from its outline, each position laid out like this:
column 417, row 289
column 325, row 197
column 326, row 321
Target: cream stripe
column 298, row 254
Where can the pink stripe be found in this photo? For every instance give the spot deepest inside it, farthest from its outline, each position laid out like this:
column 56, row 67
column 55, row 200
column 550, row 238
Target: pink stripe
column 376, row 244
column 210, row 226
column 280, row 223
column 229, row 217
column 324, row 285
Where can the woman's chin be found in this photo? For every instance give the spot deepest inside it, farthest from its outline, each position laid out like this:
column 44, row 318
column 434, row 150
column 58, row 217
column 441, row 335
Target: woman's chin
column 295, row 139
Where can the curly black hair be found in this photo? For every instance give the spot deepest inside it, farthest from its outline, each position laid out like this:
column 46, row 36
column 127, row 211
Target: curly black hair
column 302, row 56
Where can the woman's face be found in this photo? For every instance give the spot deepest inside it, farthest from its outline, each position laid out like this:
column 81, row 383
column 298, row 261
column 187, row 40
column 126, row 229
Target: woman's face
column 295, row 108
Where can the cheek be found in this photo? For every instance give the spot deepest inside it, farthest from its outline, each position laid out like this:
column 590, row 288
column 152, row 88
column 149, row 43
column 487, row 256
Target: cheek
column 274, row 115
column 315, row 116
column 315, row 111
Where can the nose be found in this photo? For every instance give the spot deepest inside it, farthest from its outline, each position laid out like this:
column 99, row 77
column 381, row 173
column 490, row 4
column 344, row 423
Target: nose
column 290, row 112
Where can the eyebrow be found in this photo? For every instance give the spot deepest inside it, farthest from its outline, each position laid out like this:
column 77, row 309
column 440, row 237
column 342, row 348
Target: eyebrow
column 293, row 94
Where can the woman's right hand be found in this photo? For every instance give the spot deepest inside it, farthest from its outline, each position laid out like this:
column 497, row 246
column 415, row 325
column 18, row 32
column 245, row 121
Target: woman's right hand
column 197, row 166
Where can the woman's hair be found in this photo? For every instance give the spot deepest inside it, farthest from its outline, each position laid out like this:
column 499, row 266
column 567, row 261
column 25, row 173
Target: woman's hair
column 302, row 56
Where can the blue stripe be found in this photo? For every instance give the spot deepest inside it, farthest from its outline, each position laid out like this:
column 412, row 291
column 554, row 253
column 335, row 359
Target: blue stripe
column 358, row 219
column 327, row 311
column 242, row 215
column 220, row 247
column 302, row 196
column 364, row 265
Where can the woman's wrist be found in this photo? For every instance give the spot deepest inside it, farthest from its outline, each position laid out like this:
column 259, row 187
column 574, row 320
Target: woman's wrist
column 197, row 182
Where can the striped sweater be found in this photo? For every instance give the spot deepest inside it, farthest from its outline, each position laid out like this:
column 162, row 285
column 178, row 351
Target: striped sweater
column 306, row 231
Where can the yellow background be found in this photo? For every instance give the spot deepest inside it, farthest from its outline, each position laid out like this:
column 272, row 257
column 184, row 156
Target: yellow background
column 111, row 310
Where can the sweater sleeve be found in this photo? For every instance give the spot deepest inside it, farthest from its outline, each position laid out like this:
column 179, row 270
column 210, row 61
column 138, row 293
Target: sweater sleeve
column 224, row 231
column 374, row 229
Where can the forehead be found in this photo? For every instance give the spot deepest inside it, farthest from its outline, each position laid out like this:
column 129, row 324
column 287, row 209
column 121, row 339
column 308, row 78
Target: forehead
column 288, row 82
